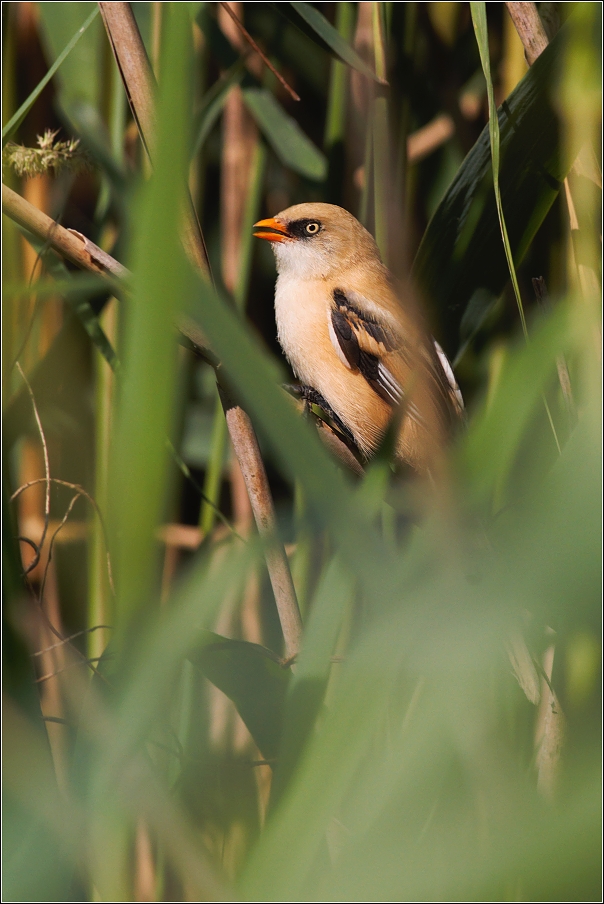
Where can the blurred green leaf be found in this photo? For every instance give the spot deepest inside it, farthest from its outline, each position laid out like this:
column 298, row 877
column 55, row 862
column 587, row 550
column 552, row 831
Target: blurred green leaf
column 253, row 678
column 168, row 638
column 489, row 451
column 213, row 102
column 282, row 132
column 16, row 120
column 88, row 124
column 80, row 75
column 148, row 376
column 313, row 666
column 40, row 840
column 74, row 289
column 330, row 38
column 284, row 135
column 383, row 804
column 461, row 250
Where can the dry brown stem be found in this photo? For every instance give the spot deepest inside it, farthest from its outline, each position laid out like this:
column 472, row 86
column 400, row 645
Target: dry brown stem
column 246, row 449
column 256, row 49
column 46, row 478
column 549, row 730
column 533, row 35
column 139, row 83
column 529, row 26
column 240, row 137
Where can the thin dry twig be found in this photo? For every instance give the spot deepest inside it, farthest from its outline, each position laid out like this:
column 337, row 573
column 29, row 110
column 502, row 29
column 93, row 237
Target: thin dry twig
column 70, row 244
column 85, row 254
column 45, row 479
column 424, row 141
column 51, row 545
column 549, row 730
column 71, row 637
column 260, row 53
column 82, row 492
column 90, row 662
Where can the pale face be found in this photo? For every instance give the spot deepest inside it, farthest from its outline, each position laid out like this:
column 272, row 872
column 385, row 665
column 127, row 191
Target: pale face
column 315, row 241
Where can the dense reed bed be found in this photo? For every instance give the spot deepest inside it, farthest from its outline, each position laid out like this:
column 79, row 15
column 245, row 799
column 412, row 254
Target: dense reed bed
column 234, row 668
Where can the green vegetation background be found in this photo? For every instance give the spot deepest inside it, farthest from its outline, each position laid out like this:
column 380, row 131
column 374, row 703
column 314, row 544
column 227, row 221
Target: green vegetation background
column 406, row 760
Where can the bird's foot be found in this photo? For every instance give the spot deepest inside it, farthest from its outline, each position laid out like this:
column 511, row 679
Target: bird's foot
column 311, row 397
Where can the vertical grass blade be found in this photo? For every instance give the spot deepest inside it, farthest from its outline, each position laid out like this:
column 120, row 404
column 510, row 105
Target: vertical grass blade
column 146, row 390
column 479, row 19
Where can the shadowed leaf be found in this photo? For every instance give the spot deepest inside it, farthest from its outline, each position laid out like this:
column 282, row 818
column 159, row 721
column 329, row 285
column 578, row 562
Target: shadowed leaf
column 251, row 676
column 461, row 250
column 284, row 135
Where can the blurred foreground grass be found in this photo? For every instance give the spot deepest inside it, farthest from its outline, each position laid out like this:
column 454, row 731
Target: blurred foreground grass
column 438, row 737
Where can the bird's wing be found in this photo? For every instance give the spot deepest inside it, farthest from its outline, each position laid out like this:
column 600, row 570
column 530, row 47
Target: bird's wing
column 449, row 383
column 371, row 344
column 363, row 341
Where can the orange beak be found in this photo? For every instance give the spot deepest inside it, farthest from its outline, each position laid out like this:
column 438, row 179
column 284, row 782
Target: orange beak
column 277, row 232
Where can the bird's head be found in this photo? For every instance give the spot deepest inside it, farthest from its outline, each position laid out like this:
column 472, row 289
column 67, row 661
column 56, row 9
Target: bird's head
column 316, row 241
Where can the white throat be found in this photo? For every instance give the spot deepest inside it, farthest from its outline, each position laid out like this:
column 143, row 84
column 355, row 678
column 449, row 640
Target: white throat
column 301, row 259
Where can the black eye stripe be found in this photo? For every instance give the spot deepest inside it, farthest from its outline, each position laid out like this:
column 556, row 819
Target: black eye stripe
column 300, row 228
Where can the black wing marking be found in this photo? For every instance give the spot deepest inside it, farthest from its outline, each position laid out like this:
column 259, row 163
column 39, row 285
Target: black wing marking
column 361, row 339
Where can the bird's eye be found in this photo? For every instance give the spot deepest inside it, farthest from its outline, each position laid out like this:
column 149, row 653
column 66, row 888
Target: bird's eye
column 311, row 228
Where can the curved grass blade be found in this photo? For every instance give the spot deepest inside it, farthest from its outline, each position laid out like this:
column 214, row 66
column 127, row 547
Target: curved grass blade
column 318, row 25
column 16, row 120
column 285, row 136
column 461, row 250
column 479, row 19
column 148, row 377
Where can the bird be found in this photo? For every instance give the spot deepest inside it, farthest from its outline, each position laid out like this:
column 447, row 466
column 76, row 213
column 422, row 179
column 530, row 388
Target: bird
column 360, row 353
